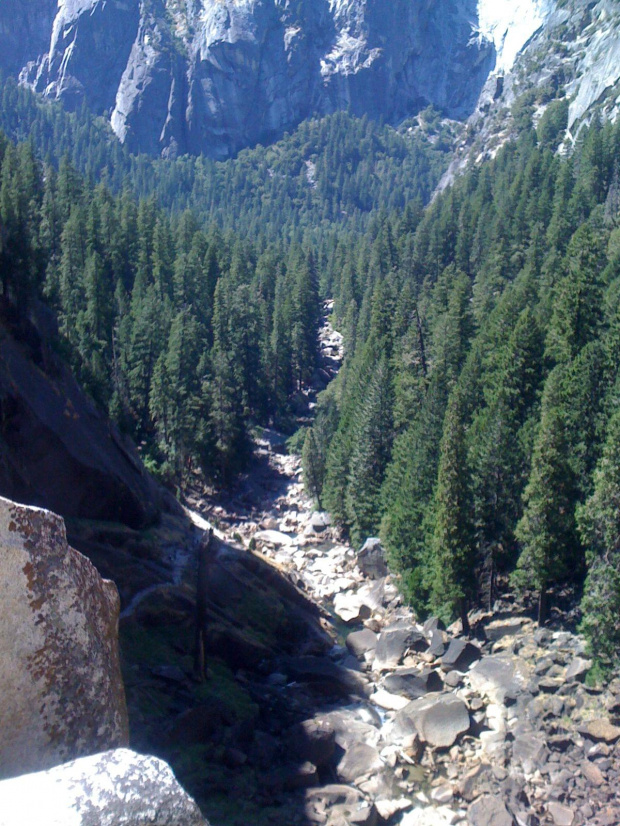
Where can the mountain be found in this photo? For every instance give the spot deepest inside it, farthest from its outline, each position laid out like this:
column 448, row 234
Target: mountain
column 214, row 76
column 573, row 56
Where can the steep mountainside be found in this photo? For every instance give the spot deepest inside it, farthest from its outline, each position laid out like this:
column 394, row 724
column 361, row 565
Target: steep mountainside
column 574, row 55
column 213, row 77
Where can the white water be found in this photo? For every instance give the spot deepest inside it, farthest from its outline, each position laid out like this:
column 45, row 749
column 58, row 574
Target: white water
column 509, row 24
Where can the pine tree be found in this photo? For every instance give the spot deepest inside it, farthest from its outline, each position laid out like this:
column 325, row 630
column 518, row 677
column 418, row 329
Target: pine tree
column 313, row 462
column 599, row 528
column 453, row 557
column 372, row 444
column 547, row 530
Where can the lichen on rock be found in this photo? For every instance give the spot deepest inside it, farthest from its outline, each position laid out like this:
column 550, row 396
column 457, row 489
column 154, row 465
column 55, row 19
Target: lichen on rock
column 61, row 690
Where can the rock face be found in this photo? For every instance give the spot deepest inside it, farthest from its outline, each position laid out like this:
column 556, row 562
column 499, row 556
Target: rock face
column 116, row 788
column 60, row 680
column 214, row 76
column 25, row 27
column 57, row 450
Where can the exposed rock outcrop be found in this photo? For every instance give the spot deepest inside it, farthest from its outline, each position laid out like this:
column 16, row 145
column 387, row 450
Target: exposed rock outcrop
column 61, row 689
column 25, row 27
column 115, row 788
column 213, row 77
column 57, row 450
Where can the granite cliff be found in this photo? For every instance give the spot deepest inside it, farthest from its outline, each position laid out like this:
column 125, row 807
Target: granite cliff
column 216, row 76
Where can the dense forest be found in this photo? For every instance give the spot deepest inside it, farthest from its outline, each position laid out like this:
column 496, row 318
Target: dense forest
column 185, row 337
column 331, row 173
column 475, row 424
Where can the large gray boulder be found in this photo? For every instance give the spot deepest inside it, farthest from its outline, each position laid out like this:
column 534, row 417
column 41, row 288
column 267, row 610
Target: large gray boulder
column 371, row 559
column 394, row 642
column 116, row 788
column 412, row 683
column 61, row 690
column 489, row 811
column 437, row 719
column 500, row 678
column 460, row 655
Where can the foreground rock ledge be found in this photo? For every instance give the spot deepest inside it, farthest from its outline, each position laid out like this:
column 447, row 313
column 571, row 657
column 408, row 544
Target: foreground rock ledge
column 61, row 690
column 116, row 788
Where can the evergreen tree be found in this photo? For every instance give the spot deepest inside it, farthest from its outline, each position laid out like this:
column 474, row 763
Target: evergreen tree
column 452, row 586
column 599, row 528
column 547, row 530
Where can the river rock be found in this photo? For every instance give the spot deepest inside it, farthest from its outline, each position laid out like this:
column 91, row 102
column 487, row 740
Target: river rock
column 313, row 740
column 325, row 676
column 116, row 788
column 601, row 730
column 529, row 750
column 496, row 678
column 562, row 815
column 371, row 559
column 428, row 817
column 577, row 670
column 438, row 720
column 350, row 608
column 498, row 629
column 489, row 811
column 394, row 643
column 360, row 760
column 275, row 538
column 460, row 655
column 412, row 683
column 361, row 642
column 332, row 801
column 60, row 680
column 320, row 522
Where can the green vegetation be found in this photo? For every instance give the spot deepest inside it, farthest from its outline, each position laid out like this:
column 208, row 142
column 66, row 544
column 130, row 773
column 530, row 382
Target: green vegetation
column 473, row 423
column 489, row 321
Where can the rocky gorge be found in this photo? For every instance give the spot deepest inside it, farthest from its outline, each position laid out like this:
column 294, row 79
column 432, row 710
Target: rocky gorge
column 405, row 722
column 278, row 671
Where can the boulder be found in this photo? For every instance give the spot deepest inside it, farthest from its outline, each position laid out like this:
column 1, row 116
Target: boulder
column 325, row 676
column 361, row 642
column 358, row 761
column 334, row 800
column 460, row 655
column 438, row 720
column 498, row 629
column 496, row 678
column 371, row 559
column 320, row 522
column 436, row 643
column 489, row 811
column 390, row 702
column 600, row 730
column 394, row 643
column 60, row 679
column 530, row 751
column 428, row 817
column 275, row 538
column 353, row 726
column 413, row 683
column 115, row 788
column 350, row 608
column 313, row 740
column 561, row 815
column 577, row 670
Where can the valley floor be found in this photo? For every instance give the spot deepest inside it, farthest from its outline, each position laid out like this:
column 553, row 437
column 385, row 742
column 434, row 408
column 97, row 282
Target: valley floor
column 412, row 723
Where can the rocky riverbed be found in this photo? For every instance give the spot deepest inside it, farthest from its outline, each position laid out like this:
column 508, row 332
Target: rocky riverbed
column 402, row 722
